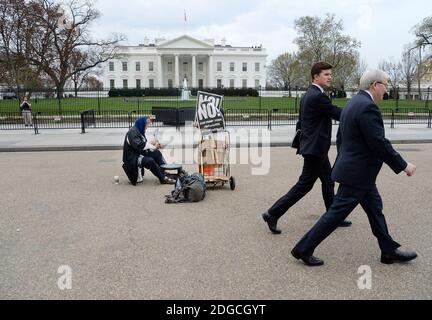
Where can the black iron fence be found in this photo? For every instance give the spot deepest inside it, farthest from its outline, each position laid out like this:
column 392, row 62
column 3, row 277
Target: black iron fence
column 46, row 100
column 178, row 117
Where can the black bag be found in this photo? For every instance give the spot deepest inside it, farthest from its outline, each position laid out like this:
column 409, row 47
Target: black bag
column 296, row 141
column 188, row 188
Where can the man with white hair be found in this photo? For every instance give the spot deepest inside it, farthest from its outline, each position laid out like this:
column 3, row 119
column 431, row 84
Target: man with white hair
column 362, row 149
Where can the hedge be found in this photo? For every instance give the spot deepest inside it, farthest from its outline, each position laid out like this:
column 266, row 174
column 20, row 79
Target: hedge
column 153, row 92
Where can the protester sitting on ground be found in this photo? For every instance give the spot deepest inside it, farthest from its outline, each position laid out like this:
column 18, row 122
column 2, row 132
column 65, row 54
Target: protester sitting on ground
column 138, row 153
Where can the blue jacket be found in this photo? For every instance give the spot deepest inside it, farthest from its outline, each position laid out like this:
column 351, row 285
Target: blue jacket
column 362, row 146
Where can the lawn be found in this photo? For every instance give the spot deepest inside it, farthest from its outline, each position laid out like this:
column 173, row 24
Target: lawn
column 140, row 103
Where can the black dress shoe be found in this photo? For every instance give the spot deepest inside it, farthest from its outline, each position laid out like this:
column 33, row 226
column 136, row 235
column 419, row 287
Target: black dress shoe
column 271, row 222
column 308, row 260
column 345, row 223
column 397, row 256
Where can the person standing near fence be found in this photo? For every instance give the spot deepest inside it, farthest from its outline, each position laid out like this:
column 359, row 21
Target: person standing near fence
column 316, row 114
column 25, row 108
column 362, row 150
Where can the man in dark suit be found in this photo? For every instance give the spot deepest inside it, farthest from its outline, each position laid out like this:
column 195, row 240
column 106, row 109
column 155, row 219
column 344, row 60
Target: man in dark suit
column 316, row 114
column 362, row 150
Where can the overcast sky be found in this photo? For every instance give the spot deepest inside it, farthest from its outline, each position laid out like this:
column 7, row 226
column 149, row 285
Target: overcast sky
column 382, row 26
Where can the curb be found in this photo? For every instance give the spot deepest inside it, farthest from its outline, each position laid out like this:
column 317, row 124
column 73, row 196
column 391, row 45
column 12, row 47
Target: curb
column 120, row 147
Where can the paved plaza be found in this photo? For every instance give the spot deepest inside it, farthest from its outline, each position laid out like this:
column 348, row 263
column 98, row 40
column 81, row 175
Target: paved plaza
column 124, row 242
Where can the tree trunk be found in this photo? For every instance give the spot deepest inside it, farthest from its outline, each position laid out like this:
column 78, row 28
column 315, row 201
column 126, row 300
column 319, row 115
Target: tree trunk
column 60, row 89
column 76, row 89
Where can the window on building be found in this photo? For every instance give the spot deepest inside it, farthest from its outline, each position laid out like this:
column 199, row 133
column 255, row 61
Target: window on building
column 219, row 66
column 111, row 66
column 151, row 67
column 170, row 66
column 257, row 84
column 185, row 66
column 170, row 83
column 200, row 66
column 137, row 66
column 231, row 66
column 244, row 66
column 257, row 66
column 200, row 83
column 124, row 66
column 138, row 83
column 112, row 84
column 125, row 84
column 231, row 83
column 244, row 83
column 219, row 83
column 151, row 83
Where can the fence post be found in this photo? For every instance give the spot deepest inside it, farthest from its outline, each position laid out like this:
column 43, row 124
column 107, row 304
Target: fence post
column 427, row 99
column 82, row 123
column 35, row 124
column 98, row 100
column 397, row 99
column 429, row 120
column 392, row 120
column 259, row 93
column 269, row 120
column 129, row 118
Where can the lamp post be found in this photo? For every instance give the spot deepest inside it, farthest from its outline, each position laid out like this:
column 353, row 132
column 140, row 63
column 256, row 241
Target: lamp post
column 259, row 98
column 427, row 98
column 418, row 66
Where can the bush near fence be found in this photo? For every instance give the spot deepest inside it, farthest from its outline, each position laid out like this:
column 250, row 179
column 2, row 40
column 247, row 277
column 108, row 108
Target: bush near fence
column 173, row 92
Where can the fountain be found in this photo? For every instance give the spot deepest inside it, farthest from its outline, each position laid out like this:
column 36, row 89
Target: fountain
column 185, row 93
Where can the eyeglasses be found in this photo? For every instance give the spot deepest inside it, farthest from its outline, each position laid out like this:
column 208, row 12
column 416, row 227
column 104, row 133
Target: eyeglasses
column 384, row 84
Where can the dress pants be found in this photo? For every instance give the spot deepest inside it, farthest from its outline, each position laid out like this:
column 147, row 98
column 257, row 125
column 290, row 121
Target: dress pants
column 346, row 199
column 313, row 168
column 152, row 161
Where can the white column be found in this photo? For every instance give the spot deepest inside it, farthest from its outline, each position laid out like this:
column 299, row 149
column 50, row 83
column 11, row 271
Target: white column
column 159, row 66
column 194, row 82
column 210, row 73
column 176, row 72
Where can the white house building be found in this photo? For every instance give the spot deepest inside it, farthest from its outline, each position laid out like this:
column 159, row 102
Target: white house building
column 166, row 63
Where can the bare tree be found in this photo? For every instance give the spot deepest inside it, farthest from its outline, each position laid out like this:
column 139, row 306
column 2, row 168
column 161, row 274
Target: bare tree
column 15, row 70
column 409, row 65
column 394, row 71
column 322, row 40
column 284, row 72
column 47, row 36
column 78, row 79
column 358, row 71
column 423, row 31
column 92, row 82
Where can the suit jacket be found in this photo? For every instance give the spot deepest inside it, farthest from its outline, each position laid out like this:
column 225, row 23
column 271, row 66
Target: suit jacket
column 362, row 146
column 316, row 112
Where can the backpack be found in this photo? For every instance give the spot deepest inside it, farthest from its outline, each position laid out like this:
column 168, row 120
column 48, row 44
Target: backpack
column 188, row 188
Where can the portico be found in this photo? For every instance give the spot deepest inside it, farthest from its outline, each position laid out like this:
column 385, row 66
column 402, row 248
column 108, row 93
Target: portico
column 175, row 67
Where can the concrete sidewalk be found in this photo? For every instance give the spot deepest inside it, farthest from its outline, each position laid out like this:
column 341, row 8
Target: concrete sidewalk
column 112, row 139
column 123, row 242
